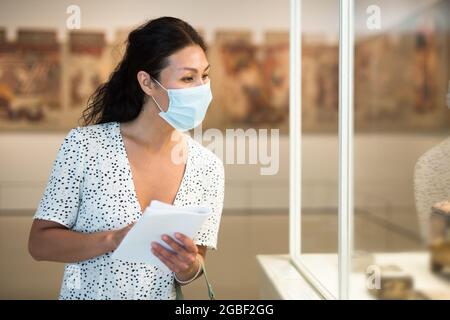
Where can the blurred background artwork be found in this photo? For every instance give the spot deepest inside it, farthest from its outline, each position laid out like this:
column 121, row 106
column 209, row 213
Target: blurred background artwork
column 88, row 65
column 45, row 84
column 30, row 78
column 401, row 78
column 250, row 82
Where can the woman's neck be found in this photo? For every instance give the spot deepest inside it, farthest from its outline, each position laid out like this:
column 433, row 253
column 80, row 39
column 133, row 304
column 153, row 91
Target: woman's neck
column 150, row 131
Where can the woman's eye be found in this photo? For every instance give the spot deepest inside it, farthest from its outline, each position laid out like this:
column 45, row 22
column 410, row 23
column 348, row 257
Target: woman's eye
column 190, row 79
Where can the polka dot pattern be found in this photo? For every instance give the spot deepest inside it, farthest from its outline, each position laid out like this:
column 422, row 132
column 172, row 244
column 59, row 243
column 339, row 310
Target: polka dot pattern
column 90, row 189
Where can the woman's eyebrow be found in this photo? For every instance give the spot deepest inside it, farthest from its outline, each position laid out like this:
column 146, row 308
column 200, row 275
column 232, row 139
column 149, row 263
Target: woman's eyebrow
column 193, row 69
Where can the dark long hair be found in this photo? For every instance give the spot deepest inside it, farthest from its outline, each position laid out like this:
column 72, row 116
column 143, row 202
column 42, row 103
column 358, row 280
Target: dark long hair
column 147, row 48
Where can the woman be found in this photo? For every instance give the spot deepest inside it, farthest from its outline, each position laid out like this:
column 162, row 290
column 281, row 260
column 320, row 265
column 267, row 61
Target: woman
column 131, row 151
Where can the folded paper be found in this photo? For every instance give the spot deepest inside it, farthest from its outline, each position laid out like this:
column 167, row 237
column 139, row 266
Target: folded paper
column 159, row 218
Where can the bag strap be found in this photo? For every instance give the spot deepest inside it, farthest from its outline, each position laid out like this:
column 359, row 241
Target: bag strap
column 211, row 294
column 178, row 291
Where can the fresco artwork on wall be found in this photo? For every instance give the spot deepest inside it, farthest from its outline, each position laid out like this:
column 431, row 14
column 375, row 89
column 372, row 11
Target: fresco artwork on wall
column 401, row 77
column 30, row 81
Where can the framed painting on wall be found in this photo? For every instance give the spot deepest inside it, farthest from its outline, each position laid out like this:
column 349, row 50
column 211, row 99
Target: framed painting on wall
column 30, row 81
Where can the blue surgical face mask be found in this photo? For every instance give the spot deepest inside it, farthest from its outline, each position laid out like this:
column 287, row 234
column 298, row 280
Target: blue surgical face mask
column 187, row 106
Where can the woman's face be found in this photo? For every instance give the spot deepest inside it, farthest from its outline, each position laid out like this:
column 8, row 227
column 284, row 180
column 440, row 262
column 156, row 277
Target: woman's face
column 186, row 68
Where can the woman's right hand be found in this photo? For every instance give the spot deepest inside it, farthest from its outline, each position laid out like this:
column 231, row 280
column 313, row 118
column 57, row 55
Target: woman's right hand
column 116, row 236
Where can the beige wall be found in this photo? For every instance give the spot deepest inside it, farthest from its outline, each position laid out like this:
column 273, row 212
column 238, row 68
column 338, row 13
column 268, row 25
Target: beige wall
column 384, row 167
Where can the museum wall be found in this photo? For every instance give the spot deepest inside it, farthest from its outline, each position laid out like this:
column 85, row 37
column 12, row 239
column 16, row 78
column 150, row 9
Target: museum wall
column 28, row 152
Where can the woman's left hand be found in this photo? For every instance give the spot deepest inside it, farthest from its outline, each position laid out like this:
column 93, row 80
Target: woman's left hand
column 182, row 258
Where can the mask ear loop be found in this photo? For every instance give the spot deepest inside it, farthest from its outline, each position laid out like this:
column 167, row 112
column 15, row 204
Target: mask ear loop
column 159, row 107
column 159, row 84
column 157, row 104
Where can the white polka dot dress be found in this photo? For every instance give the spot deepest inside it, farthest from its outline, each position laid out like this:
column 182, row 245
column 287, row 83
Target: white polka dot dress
column 90, row 189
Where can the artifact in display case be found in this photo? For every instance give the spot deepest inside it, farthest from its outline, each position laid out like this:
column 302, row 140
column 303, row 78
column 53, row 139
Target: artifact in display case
column 440, row 237
column 393, row 284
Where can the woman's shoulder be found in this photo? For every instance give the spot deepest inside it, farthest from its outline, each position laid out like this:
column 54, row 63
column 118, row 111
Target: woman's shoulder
column 89, row 140
column 96, row 130
column 93, row 135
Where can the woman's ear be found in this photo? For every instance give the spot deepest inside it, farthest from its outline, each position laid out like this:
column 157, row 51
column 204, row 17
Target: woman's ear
column 146, row 83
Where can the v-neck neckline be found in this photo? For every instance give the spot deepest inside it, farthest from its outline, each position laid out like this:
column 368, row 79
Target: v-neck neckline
column 130, row 179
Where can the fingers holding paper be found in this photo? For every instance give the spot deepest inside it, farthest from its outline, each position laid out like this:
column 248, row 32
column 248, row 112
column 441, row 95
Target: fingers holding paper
column 182, row 257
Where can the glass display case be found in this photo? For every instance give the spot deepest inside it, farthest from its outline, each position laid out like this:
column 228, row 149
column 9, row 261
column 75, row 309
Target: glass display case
column 369, row 148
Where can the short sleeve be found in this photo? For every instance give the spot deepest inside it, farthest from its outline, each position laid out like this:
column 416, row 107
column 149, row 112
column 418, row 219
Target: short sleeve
column 61, row 198
column 213, row 197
